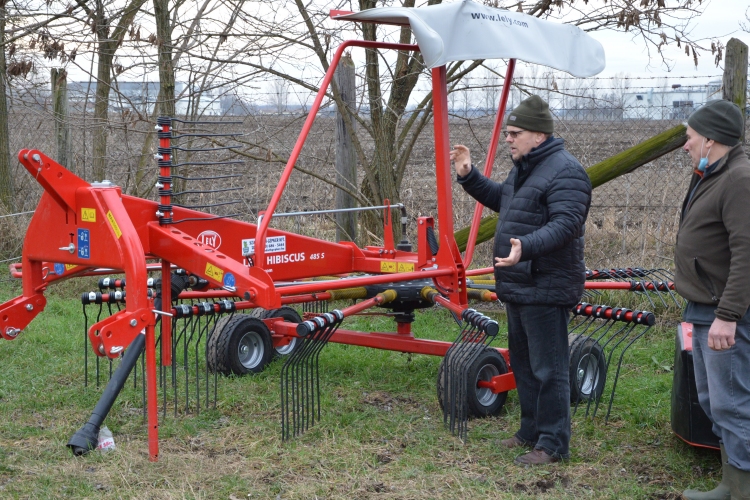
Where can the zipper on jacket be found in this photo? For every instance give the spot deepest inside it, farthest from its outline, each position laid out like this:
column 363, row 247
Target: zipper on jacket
column 705, row 279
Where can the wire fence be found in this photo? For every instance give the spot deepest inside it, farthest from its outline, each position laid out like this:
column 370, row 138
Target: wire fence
column 633, row 219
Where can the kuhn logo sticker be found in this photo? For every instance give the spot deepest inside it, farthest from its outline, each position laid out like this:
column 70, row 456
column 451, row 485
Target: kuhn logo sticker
column 210, row 238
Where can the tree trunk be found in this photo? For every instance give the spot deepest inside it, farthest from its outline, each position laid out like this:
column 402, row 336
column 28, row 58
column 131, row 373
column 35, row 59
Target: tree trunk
column 7, row 191
column 105, row 55
column 59, row 82
column 166, row 102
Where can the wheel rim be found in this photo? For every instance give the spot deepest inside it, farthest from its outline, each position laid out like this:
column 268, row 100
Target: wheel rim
column 250, row 350
column 588, row 374
column 485, row 396
column 286, row 349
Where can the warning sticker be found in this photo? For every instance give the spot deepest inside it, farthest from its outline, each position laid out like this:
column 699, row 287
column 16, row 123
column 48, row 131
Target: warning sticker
column 88, row 214
column 68, row 267
column 388, row 266
column 213, row 272
column 405, row 267
column 113, row 223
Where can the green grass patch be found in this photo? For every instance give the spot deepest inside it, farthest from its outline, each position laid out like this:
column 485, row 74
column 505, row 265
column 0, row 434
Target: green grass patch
column 381, row 432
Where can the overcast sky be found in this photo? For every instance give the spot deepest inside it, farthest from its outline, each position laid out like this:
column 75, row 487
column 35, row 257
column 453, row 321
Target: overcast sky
column 720, row 20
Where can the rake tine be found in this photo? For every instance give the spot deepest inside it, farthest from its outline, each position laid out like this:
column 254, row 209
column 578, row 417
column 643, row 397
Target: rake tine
column 618, row 337
column 197, row 324
column 85, row 348
column 619, row 364
column 450, row 407
column 607, row 327
column 98, row 369
column 300, row 380
column 473, row 351
column 644, row 286
column 289, row 375
column 166, row 371
column 197, row 365
column 459, row 359
column 175, row 342
column 314, row 360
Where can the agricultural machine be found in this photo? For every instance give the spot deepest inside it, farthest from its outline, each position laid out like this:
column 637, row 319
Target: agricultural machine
column 231, row 303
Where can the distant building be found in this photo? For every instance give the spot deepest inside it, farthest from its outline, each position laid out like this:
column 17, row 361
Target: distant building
column 141, row 97
column 675, row 103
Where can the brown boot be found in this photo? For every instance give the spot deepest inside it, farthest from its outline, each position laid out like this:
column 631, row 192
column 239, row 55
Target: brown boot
column 721, row 492
column 514, row 442
column 536, row 457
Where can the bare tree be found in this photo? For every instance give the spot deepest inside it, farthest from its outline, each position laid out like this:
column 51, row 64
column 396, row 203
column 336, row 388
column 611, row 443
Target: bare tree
column 7, row 192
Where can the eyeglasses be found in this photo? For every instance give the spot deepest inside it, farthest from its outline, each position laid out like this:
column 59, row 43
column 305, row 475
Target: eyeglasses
column 513, row 133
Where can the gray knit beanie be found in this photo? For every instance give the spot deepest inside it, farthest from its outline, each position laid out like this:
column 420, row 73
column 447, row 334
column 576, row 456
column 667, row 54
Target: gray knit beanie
column 719, row 120
column 532, row 114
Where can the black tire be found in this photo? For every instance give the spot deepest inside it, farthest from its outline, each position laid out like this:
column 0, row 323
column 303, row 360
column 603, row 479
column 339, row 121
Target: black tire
column 239, row 345
column 292, row 316
column 482, row 402
column 588, row 369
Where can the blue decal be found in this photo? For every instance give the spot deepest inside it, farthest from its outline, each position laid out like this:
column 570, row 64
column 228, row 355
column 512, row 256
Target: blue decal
column 229, row 280
column 59, row 269
column 84, row 250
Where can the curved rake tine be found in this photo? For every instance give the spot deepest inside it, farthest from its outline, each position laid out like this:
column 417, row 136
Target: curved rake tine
column 617, row 374
column 452, row 404
column 621, row 336
column 300, row 376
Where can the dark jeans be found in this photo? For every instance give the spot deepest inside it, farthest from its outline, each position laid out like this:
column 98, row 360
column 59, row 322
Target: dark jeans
column 538, row 345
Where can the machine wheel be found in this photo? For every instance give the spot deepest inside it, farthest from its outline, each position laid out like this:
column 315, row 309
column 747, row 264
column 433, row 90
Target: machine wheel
column 588, row 369
column 239, row 345
column 292, row 316
column 482, row 402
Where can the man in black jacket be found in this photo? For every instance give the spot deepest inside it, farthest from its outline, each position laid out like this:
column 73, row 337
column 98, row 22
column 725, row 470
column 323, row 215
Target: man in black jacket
column 539, row 270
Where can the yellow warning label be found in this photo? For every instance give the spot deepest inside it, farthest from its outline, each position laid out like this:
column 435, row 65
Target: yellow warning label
column 388, row 266
column 88, row 214
column 113, row 223
column 68, row 267
column 405, row 267
column 214, row 272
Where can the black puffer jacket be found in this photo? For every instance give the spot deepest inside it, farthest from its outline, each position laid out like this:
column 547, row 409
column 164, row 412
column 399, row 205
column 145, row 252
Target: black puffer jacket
column 544, row 203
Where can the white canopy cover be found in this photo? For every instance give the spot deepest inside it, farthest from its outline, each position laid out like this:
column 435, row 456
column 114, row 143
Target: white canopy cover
column 466, row 31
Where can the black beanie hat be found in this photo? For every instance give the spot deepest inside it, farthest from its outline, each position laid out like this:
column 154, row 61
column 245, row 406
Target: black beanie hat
column 532, row 114
column 719, row 120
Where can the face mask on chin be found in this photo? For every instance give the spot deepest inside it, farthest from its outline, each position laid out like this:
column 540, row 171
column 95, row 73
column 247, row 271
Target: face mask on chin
column 703, row 162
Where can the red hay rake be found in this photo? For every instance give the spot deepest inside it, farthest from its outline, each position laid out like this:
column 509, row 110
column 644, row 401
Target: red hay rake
column 81, row 229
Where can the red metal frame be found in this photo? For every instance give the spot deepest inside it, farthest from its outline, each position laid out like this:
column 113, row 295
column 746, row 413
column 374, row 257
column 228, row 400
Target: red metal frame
column 491, row 152
column 80, row 228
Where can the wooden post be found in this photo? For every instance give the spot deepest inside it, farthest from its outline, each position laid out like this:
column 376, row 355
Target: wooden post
column 734, row 83
column 59, row 78
column 346, row 161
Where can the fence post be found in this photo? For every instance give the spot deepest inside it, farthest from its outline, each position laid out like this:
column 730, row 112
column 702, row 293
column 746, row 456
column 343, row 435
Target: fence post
column 346, row 160
column 734, row 82
column 59, row 78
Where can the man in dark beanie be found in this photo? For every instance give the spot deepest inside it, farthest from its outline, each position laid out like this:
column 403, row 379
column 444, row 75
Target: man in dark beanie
column 539, row 269
column 712, row 271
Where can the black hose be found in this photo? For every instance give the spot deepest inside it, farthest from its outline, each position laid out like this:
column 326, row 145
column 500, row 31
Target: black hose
column 87, row 437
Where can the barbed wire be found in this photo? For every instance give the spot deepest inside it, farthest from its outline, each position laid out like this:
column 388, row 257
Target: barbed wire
column 16, row 215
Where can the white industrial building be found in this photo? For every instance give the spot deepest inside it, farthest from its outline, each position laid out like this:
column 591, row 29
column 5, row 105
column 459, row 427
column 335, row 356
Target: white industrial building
column 672, row 103
column 141, row 97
